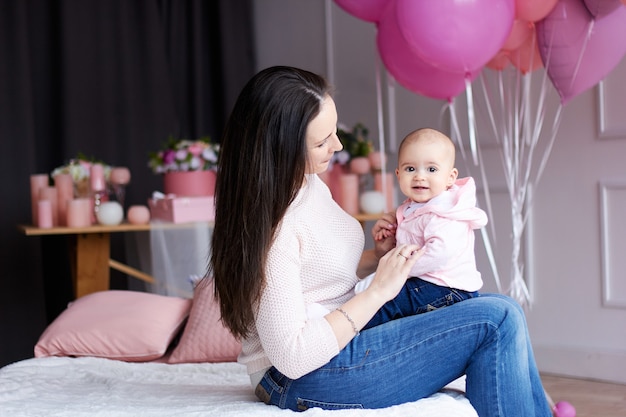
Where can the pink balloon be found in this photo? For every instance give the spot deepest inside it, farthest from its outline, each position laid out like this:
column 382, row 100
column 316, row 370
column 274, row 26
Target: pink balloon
column 577, row 58
column 457, row 36
column 368, row 10
column 533, row 10
column 527, row 58
column 410, row 70
column 500, row 61
column 564, row 409
column 520, row 31
column 599, row 8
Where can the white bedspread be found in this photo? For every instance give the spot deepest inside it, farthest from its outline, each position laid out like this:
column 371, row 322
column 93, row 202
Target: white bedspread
column 100, row 387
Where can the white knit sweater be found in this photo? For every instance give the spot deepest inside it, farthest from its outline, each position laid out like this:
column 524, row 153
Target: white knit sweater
column 313, row 259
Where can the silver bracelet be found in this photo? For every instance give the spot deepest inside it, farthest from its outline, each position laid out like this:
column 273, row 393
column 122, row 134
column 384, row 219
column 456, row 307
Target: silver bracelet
column 356, row 331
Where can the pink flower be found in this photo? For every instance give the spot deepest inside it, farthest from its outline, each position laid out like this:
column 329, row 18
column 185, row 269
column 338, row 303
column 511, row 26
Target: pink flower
column 169, row 156
column 84, row 164
column 195, row 149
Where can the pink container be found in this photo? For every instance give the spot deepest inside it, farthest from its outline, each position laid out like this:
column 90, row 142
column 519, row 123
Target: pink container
column 189, row 183
column 182, row 209
column 349, row 197
column 360, row 165
column 50, row 194
column 44, row 214
column 386, row 187
column 376, row 159
column 37, row 182
column 97, row 182
column 64, row 185
column 79, row 212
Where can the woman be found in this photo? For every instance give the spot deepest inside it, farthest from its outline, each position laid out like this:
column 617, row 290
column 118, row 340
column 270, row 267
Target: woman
column 285, row 259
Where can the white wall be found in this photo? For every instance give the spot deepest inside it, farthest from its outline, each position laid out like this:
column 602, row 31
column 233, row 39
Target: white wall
column 578, row 318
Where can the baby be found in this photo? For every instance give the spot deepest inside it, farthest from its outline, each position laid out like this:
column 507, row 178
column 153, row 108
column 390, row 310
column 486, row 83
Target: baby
column 439, row 214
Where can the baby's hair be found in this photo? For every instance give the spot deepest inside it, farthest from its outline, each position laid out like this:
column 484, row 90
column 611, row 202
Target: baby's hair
column 423, row 132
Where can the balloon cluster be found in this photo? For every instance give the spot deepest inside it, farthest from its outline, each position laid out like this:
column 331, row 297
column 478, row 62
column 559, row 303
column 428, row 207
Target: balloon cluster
column 435, row 48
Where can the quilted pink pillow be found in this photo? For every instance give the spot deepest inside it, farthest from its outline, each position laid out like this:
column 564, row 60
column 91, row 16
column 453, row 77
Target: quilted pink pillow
column 125, row 325
column 205, row 339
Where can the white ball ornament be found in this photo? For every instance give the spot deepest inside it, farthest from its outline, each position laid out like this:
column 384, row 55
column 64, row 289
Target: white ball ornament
column 372, row 202
column 110, row 213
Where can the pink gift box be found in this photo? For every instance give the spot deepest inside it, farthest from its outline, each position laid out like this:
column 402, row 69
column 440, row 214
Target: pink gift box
column 182, row 209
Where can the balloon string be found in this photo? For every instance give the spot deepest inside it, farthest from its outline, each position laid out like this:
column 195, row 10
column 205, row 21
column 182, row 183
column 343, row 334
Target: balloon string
column 330, row 54
column 484, row 234
column 381, row 134
column 456, row 133
column 471, row 119
column 454, row 126
column 490, row 113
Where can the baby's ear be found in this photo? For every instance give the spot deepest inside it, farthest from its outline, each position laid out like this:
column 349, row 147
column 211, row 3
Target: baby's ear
column 454, row 173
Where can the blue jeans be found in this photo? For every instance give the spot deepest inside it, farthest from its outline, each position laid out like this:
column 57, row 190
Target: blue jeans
column 416, row 297
column 410, row 358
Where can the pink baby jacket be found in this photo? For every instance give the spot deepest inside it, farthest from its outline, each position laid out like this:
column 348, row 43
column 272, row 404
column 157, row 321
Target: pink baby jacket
column 445, row 226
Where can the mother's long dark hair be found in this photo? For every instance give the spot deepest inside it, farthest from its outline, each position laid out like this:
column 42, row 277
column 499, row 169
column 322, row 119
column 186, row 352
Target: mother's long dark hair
column 261, row 168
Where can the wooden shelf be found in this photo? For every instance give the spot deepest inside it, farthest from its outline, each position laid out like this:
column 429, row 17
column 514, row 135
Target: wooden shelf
column 362, row 217
column 90, row 255
column 29, row 230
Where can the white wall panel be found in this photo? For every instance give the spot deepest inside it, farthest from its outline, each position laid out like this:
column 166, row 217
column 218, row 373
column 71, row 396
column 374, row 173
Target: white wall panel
column 613, row 228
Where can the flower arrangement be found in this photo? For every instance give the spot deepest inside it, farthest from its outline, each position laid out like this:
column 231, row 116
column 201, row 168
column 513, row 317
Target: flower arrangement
column 355, row 143
column 185, row 155
column 79, row 168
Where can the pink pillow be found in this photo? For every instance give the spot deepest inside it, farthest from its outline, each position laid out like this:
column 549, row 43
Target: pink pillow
column 205, row 339
column 125, row 325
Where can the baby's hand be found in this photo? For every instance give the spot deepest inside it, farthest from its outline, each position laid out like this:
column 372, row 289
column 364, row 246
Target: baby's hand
column 383, row 234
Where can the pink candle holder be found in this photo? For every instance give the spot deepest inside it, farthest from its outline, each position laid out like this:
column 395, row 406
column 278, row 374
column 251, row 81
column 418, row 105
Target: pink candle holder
column 384, row 183
column 50, row 194
column 64, row 185
column 44, row 214
column 98, row 186
column 79, row 212
column 377, row 159
column 349, row 197
column 97, row 182
column 37, row 182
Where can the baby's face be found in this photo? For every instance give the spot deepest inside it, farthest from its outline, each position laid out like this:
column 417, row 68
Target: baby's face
column 426, row 168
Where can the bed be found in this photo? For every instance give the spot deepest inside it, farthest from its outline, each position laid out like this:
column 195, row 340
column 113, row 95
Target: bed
column 88, row 386
column 127, row 353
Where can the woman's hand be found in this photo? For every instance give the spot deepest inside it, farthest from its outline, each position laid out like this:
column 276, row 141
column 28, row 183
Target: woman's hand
column 384, row 234
column 391, row 274
column 393, row 270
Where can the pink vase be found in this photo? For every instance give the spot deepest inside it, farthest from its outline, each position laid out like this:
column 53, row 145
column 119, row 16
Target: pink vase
column 189, row 183
column 49, row 194
column 65, row 192
column 377, row 159
column 360, row 165
column 386, row 187
column 349, row 200
column 37, row 182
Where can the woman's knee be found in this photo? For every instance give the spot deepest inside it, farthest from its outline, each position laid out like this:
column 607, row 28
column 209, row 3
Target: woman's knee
column 506, row 300
column 502, row 311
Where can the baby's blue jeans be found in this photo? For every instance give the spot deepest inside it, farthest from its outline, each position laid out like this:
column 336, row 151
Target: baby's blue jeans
column 410, row 358
column 416, row 297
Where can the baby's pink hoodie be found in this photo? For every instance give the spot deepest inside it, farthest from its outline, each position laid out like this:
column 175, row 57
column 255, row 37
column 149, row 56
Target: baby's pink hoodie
column 445, row 226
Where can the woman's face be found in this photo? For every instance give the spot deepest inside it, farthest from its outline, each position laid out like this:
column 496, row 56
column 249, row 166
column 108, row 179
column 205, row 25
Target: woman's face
column 321, row 138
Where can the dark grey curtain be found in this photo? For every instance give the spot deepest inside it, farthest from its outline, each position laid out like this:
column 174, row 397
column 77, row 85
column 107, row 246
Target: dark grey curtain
column 111, row 79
